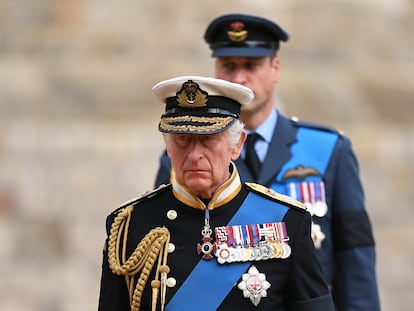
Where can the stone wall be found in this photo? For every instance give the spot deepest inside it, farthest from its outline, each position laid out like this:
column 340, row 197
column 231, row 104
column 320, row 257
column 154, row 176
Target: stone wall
column 78, row 122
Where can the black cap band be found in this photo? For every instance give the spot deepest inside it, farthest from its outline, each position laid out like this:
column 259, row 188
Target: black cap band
column 248, row 44
column 215, row 104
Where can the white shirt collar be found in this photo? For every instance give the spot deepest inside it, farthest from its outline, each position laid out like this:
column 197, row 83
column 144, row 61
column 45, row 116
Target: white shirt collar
column 266, row 129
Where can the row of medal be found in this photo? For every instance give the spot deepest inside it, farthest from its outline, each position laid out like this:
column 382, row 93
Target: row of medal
column 253, row 242
column 312, row 194
column 270, row 250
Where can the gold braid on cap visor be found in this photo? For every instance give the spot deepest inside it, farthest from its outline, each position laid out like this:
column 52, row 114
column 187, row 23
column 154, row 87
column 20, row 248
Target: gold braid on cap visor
column 213, row 123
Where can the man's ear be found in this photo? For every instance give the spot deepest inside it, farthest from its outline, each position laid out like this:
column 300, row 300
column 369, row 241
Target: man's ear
column 275, row 63
column 235, row 153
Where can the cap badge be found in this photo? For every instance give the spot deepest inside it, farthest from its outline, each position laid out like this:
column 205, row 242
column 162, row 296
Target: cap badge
column 191, row 96
column 237, row 33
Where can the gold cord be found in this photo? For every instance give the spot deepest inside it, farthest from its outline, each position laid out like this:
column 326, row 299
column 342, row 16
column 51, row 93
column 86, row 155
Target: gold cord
column 154, row 245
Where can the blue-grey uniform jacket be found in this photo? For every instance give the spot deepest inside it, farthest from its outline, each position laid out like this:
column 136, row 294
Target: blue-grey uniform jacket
column 347, row 250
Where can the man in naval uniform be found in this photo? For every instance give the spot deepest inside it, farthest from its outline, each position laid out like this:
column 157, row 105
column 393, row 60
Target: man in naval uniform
column 207, row 241
column 312, row 163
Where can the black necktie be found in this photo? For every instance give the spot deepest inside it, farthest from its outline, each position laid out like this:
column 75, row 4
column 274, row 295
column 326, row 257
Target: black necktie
column 252, row 160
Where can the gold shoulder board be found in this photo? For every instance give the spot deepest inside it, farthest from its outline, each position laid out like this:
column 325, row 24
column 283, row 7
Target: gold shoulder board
column 276, row 196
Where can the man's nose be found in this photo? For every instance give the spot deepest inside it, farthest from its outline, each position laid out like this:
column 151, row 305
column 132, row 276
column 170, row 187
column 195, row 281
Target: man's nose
column 239, row 76
column 195, row 150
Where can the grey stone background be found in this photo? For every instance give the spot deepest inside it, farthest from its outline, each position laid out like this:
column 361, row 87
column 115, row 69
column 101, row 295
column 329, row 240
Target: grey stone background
column 78, row 122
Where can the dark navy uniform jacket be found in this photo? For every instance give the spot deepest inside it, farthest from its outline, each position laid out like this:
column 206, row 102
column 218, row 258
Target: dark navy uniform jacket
column 297, row 283
column 347, row 253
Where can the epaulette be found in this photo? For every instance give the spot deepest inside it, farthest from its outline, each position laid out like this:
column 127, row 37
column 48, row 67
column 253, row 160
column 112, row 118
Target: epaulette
column 147, row 195
column 275, row 196
column 299, row 123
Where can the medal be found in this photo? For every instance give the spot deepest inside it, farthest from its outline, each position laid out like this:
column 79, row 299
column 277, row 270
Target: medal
column 286, row 250
column 207, row 247
column 254, row 285
column 278, row 250
column 246, row 254
column 254, row 253
column 320, row 209
column 222, row 253
column 236, row 255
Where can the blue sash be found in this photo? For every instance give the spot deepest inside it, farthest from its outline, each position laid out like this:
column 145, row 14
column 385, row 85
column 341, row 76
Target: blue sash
column 312, row 149
column 210, row 282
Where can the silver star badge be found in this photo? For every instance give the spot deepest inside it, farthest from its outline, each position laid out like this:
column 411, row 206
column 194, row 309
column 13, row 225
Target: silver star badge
column 317, row 235
column 254, row 285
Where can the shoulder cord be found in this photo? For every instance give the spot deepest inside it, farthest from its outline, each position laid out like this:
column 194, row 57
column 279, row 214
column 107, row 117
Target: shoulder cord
column 153, row 245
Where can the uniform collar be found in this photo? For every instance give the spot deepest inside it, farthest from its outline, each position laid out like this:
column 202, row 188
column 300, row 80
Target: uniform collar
column 224, row 194
column 266, row 129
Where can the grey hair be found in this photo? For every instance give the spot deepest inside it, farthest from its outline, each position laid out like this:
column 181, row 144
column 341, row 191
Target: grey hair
column 235, row 131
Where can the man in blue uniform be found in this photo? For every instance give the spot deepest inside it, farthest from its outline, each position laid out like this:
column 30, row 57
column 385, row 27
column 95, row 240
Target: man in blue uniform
column 207, row 241
column 312, row 163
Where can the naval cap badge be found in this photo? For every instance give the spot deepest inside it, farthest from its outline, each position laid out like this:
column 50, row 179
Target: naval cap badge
column 191, row 96
column 254, row 285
